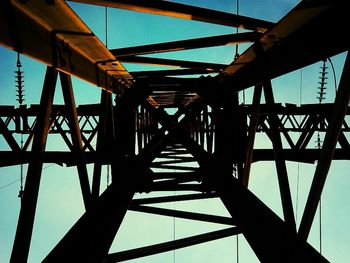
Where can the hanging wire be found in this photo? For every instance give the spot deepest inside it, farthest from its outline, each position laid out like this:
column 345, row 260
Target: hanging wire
column 174, row 233
column 297, row 197
column 237, row 249
column 236, row 49
column 18, row 180
column 321, row 96
column 106, row 43
column 235, row 174
column 174, row 224
column 237, row 13
column 108, row 175
column 243, row 94
column 106, row 26
column 298, row 165
column 20, row 98
column 320, row 224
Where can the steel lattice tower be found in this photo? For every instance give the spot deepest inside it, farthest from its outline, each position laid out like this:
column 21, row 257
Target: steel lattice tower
column 161, row 133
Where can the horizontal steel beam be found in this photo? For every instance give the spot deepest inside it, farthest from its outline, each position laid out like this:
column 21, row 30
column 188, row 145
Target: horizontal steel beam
column 53, row 34
column 167, row 8
column 92, row 110
column 173, row 198
column 173, row 72
column 179, row 45
column 183, row 214
column 172, row 63
column 170, row 245
column 9, row 158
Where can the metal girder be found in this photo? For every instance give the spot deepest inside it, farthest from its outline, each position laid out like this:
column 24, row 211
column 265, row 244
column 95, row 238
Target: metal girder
column 63, row 134
column 173, row 186
column 229, row 136
column 268, row 235
column 20, row 249
column 173, row 198
column 280, row 162
column 177, row 10
column 8, row 137
column 170, row 83
column 301, row 121
column 172, row 63
column 171, row 245
column 251, row 134
column 173, row 72
column 104, row 138
column 304, row 36
column 183, row 214
column 187, row 44
column 51, row 32
column 90, row 238
column 9, row 158
column 60, row 33
column 331, row 138
column 171, row 125
column 77, row 145
column 172, row 167
column 174, row 160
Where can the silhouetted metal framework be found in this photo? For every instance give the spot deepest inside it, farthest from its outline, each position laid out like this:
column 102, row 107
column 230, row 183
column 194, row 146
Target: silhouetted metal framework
column 209, row 138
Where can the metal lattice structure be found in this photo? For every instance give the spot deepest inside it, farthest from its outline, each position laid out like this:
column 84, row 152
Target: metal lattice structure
column 206, row 147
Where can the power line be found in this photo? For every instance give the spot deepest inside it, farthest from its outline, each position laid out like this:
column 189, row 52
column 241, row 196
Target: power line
column 24, row 177
column 298, row 165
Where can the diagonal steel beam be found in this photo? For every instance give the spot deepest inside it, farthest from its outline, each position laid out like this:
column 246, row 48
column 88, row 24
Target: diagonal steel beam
column 89, row 240
column 24, row 231
column 330, row 141
column 172, row 63
column 77, row 145
column 171, row 125
column 280, row 162
column 202, row 42
column 104, row 138
column 302, row 31
column 267, row 234
column 173, row 72
column 309, row 129
column 183, row 214
column 91, row 237
column 171, row 245
column 8, row 137
column 172, row 198
column 183, row 11
column 254, row 117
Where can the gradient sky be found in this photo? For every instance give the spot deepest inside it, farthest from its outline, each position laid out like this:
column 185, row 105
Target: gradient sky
column 60, row 203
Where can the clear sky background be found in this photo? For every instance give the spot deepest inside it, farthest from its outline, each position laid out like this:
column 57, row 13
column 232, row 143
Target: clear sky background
column 60, row 203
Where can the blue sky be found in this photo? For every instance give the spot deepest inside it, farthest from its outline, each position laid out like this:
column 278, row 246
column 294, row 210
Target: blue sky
column 60, row 203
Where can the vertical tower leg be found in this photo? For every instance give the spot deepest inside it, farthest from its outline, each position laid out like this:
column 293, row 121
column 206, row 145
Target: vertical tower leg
column 24, row 231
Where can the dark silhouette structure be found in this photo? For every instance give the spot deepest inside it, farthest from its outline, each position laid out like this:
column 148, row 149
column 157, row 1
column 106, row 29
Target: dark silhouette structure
column 208, row 141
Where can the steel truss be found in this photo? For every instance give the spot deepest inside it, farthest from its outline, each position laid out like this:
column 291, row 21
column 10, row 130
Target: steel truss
column 197, row 146
column 297, row 126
